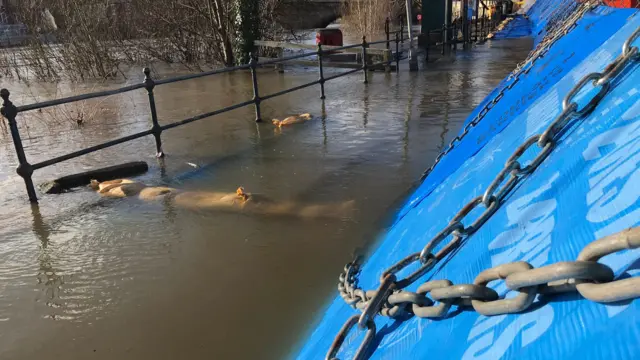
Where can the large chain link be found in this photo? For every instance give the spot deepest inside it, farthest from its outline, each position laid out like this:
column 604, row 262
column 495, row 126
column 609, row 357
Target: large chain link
column 591, row 279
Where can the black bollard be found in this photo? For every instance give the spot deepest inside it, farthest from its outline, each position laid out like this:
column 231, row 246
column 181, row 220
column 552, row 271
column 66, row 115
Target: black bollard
column 386, row 30
column 149, row 84
column 397, row 53
column 253, row 62
column 321, row 79
column 364, row 58
column 444, row 35
column 25, row 170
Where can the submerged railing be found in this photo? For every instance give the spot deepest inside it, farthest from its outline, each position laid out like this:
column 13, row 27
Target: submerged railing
column 25, row 169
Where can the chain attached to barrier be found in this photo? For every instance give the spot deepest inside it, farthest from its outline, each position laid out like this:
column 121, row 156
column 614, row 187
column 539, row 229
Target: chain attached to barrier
column 549, row 39
column 592, row 280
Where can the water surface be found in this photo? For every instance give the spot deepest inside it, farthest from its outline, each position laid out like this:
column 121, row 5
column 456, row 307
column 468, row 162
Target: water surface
column 89, row 278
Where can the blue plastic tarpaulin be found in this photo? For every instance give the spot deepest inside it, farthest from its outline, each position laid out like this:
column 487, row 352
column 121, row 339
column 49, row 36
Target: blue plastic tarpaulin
column 586, row 189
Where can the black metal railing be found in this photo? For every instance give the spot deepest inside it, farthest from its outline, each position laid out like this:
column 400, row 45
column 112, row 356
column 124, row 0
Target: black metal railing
column 25, row 169
column 399, row 34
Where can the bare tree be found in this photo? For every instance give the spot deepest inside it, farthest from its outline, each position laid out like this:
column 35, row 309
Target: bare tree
column 93, row 38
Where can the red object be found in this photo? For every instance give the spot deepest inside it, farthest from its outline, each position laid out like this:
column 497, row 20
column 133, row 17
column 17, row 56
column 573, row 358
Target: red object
column 419, row 17
column 622, row 3
column 331, row 37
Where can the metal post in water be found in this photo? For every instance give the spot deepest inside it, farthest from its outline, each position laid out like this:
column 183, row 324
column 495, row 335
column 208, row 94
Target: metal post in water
column 475, row 37
column 253, row 63
column 397, row 53
column 321, row 79
column 426, row 48
column 386, row 30
column 364, row 58
column 24, row 169
column 454, row 37
column 413, row 62
column 482, row 25
column 444, row 34
column 447, row 17
column 149, row 84
column 465, row 22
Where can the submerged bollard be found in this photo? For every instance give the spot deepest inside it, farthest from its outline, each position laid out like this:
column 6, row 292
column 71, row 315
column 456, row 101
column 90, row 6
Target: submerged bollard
column 321, row 79
column 364, row 59
column 454, row 37
column 253, row 62
column 444, row 36
column 386, row 30
column 482, row 24
column 24, row 169
column 149, row 84
column 397, row 53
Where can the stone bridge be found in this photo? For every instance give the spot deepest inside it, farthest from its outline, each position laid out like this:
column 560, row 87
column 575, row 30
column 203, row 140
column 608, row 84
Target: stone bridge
column 308, row 14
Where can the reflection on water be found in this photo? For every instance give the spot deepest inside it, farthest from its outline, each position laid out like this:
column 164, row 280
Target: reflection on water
column 83, row 277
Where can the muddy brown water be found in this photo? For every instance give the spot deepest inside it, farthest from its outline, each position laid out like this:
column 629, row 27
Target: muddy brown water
column 89, row 278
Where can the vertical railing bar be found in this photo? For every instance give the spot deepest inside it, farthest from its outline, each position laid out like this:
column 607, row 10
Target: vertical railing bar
column 444, row 35
column 397, row 53
column 25, row 170
column 386, row 30
column 253, row 63
column 364, row 58
column 321, row 79
column 149, row 84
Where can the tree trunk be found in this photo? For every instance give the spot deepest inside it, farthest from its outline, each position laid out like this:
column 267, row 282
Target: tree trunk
column 247, row 28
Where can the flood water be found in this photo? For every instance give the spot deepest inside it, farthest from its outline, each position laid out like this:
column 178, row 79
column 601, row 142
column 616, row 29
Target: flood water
column 89, row 278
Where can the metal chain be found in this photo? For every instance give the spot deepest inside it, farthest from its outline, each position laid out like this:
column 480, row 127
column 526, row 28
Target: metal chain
column 570, row 17
column 348, row 288
column 537, row 53
column 594, row 281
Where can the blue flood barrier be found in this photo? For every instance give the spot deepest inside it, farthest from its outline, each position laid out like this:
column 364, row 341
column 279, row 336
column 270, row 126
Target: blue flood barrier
column 586, row 189
column 518, row 27
column 597, row 26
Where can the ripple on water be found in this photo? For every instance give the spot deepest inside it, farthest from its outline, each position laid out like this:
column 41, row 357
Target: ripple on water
column 78, row 273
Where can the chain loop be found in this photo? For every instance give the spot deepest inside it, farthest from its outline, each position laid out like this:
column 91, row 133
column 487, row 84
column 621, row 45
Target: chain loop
column 449, row 230
column 342, row 335
column 432, row 311
column 504, row 306
column 627, row 47
column 374, row 305
column 617, row 290
column 560, row 273
column 488, row 198
column 462, row 292
column 425, row 266
column 593, row 78
column 558, row 124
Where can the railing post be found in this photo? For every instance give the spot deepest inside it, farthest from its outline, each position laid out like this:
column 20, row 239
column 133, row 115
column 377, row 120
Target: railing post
column 397, row 53
column 149, row 84
column 364, row 58
column 444, row 34
column 401, row 30
column 482, row 24
column 454, row 37
column 253, row 62
column 475, row 37
column 386, row 30
column 321, row 79
column 25, row 170
column 426, row 48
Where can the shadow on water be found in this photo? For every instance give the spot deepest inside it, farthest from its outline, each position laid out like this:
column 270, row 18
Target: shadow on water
column 83, row 277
